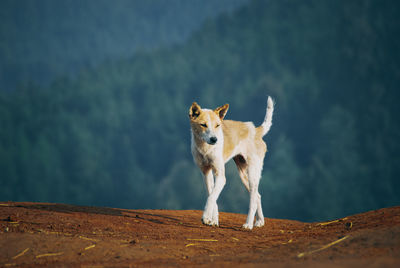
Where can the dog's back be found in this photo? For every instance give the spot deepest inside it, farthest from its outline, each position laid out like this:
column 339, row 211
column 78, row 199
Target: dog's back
column 238, row 136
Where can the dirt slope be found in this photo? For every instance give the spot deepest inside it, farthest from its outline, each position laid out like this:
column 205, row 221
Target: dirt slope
column 38, row 234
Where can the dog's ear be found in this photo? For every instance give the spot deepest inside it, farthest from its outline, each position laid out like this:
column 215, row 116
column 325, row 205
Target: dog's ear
column 221, row 111
column 194, row 110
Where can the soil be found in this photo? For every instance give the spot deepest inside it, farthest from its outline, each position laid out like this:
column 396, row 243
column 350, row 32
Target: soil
column 41, row 234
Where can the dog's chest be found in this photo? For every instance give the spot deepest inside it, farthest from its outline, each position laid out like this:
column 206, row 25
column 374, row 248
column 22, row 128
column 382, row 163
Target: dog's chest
column 204, row 158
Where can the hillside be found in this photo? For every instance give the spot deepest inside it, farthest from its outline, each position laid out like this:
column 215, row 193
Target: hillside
column 37, row 234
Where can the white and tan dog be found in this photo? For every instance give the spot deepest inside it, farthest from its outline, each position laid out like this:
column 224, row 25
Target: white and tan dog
column 215, row 141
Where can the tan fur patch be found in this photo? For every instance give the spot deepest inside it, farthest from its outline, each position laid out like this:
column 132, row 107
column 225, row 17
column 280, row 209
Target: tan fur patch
column 234, row 132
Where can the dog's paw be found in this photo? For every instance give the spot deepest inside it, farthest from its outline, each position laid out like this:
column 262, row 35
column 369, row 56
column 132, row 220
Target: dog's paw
column 259, row 223
column 247, row 226
column 207, row 217
column 210, row 215
column 209, row 221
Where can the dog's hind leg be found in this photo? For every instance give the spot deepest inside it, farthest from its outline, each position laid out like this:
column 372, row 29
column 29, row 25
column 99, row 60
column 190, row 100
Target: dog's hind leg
column 254, row 175
column 243, row 172
column 242, row 168
column 260, row 216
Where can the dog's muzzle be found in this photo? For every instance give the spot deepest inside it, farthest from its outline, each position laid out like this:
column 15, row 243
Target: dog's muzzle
column 213, row 140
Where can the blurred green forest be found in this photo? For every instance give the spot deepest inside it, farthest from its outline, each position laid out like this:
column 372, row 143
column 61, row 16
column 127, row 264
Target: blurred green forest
column 118, row 133
column 43, row 39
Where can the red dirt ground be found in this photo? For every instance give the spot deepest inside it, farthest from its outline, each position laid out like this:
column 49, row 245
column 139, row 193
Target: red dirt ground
column 38, row 234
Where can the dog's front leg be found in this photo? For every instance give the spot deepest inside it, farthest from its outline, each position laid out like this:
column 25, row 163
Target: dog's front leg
column 209, row 180
column 210, row 215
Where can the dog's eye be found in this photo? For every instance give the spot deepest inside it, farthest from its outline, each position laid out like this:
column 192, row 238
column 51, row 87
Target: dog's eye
column 203, row 125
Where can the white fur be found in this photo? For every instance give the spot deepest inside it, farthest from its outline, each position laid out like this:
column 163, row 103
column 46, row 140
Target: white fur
column 266, row 125
column 210, row 159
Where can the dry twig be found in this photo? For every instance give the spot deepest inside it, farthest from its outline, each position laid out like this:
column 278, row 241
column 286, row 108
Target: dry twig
column 49, row 255
column 20, row 254
column 322, row 248
column 203, row 240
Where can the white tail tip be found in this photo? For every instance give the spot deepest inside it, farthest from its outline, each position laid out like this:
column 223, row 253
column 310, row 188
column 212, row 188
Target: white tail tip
column 266, row 125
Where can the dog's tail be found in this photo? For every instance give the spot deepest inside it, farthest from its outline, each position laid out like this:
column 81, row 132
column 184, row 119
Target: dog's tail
column 266, row 125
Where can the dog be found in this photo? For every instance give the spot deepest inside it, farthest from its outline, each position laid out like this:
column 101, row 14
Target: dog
column 214, row 141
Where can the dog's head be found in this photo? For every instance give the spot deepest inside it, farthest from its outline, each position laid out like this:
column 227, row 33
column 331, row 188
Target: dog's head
column 206, row 124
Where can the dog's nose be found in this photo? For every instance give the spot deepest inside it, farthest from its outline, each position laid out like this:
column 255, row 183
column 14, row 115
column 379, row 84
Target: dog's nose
column 213, row 140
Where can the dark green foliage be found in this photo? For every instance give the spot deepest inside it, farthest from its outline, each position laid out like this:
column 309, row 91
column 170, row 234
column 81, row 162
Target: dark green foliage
column 118, row 134
column 44, row 39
